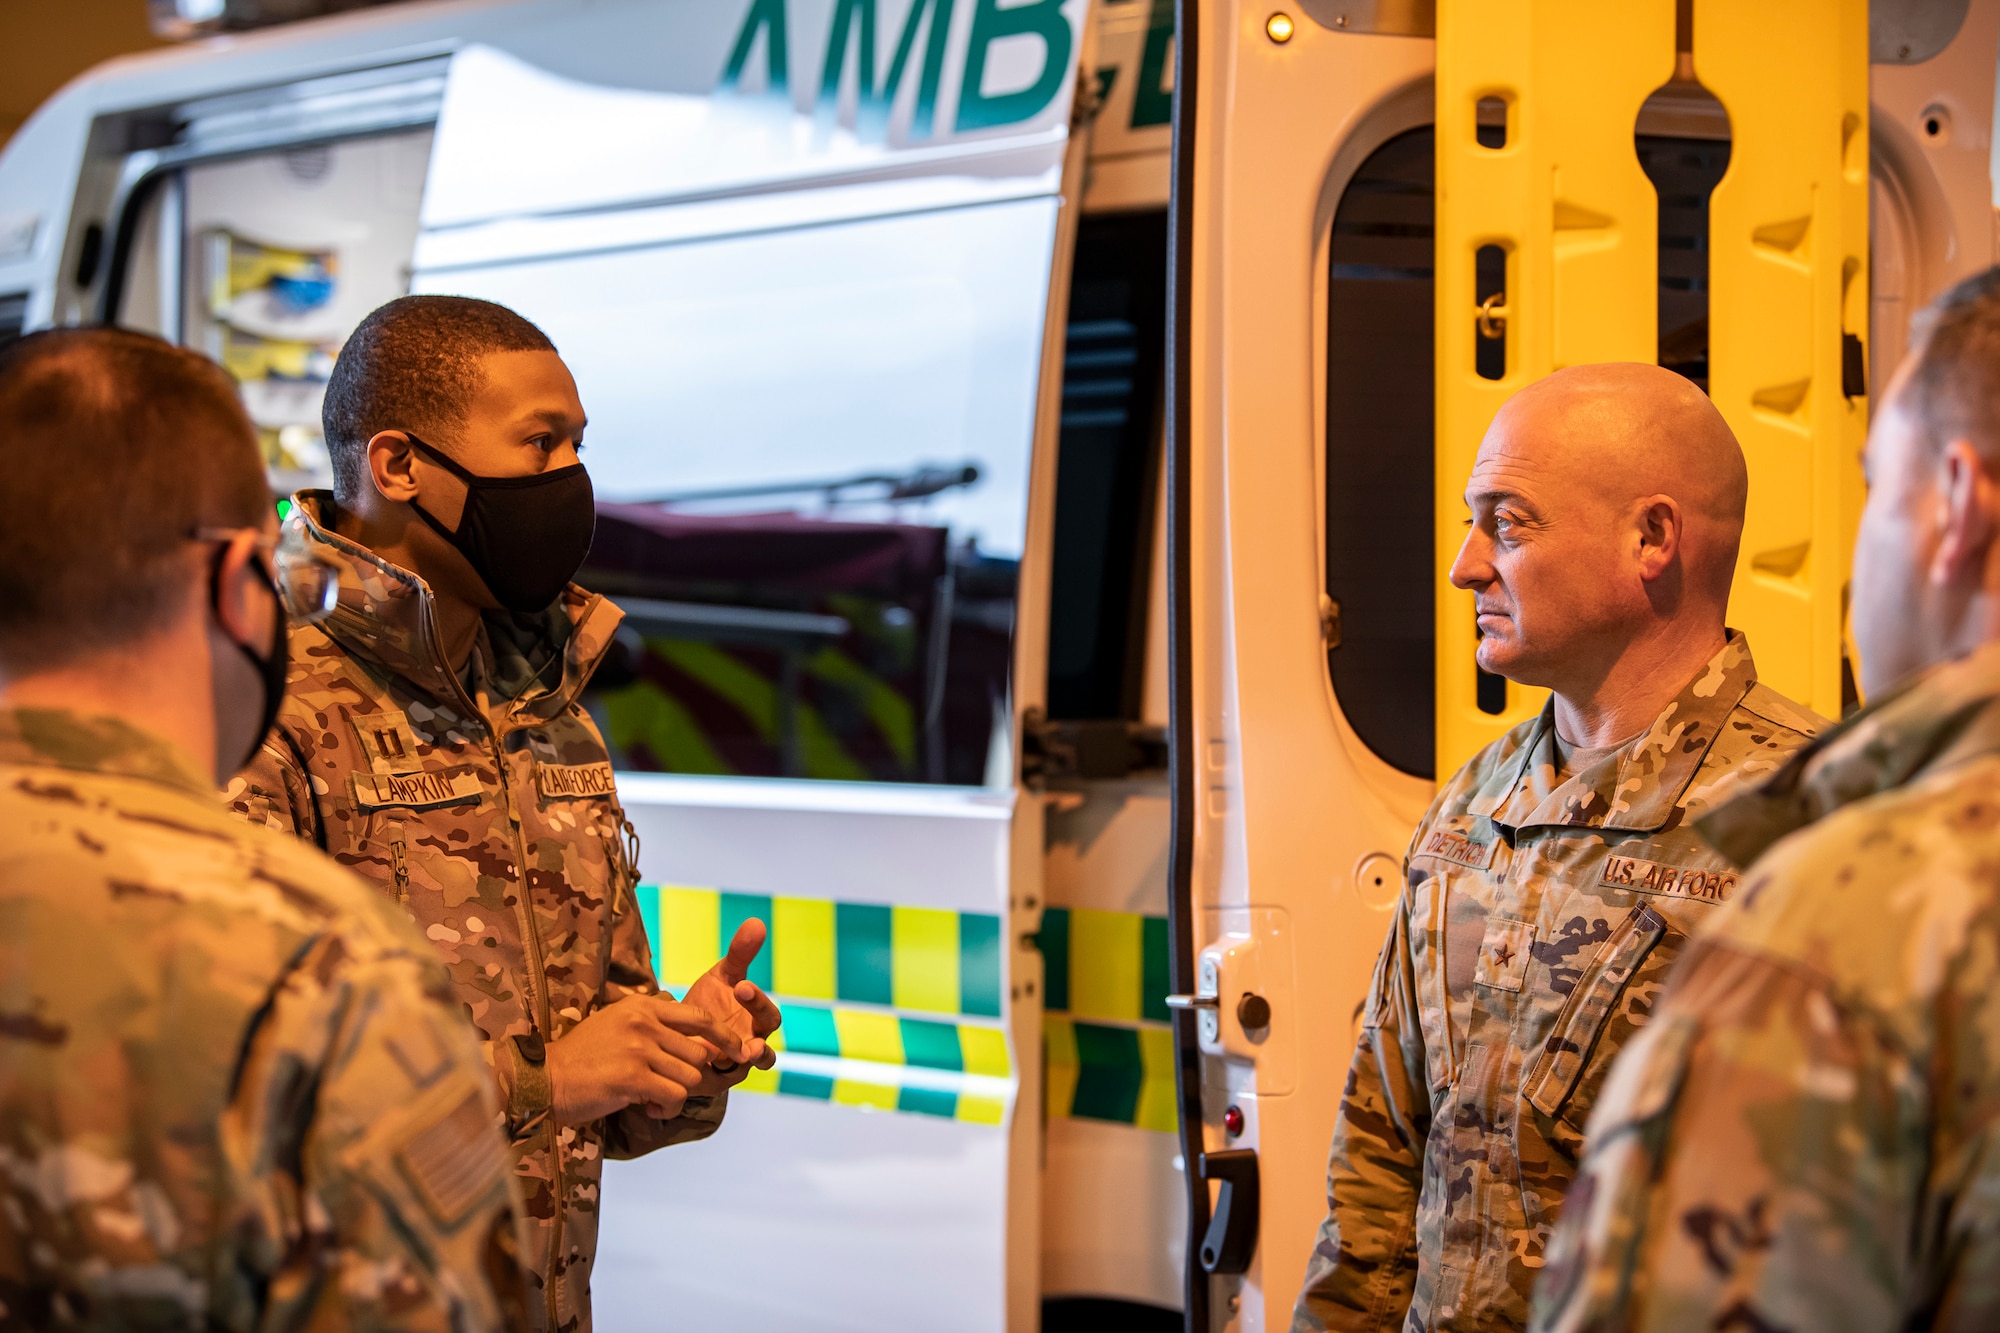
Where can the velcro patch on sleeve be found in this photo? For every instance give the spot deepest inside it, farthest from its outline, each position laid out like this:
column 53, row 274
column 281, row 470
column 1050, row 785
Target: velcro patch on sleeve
column 414, row 791
column 454, row 1161
column 568, row 781
column 1457, row 848
column 1696, row 882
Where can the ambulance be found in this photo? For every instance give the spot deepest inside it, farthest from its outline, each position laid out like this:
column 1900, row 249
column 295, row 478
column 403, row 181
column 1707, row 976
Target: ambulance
column 1028, row 436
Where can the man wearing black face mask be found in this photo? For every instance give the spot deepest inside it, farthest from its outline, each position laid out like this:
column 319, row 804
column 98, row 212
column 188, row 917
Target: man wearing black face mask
column 433, row 741
column 233, row 1094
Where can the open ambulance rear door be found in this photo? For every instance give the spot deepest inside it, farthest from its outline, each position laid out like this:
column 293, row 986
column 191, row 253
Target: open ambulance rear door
column 1389, row 218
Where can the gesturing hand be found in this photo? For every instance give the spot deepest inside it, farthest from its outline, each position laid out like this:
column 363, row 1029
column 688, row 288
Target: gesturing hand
column 643, row 1049
column 737, row 1003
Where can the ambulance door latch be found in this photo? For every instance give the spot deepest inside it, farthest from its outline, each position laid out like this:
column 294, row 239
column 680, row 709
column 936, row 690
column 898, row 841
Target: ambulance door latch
column 1231, row 1237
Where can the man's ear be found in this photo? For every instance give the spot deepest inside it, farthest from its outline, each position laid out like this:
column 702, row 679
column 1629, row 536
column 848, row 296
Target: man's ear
column 389, row 459
column 1968, row 501
column 237, row 607
column 1662, row 527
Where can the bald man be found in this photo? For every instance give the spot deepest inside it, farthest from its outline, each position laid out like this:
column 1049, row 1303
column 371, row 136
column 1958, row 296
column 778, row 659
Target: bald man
column 1554, row 879
column 1805, row 1137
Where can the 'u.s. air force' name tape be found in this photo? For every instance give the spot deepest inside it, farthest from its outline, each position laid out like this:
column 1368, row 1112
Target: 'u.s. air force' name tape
column 569, row 781
column 1705, row 883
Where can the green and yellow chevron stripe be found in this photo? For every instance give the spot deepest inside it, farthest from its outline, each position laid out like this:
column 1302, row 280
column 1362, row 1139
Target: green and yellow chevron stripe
column 878, row 960
column 920, row 958
column 1106, row 1041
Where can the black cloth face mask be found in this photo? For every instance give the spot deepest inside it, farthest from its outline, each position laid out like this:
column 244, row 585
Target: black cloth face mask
column 525, row 536
column 272, row 666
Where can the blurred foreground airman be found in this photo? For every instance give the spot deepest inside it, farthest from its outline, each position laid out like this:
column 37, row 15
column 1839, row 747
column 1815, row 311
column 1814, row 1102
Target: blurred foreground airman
column 434, row 740
column 236, row 1091
column 1805, row 1136
column 1555, row 877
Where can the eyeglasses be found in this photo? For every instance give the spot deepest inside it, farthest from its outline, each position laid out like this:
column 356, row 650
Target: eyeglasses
column 307, row 581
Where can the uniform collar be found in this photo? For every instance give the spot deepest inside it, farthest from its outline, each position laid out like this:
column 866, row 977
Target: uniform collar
column 386, row 617
column 59, row 738
column 1943, row 718
column 1637, row 787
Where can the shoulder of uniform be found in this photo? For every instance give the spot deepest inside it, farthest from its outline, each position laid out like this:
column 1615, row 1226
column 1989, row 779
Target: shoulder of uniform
column 1847, row 896
column 311, row 881
column 314, row 655
column 1764, row 702
column 1492, row 757
column 1457, row 791
column 141, row 838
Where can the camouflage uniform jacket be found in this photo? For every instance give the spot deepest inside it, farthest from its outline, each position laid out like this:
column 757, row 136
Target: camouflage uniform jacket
column 488, row 812
column 235, row 1089
column 1537, row 921
column 1808, row 1135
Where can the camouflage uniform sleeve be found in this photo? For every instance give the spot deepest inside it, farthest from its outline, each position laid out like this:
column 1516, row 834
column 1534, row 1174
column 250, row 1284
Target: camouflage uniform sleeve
column 371, row 1180
column 275, row 791
column 1362, row 1272
column 1762, row 1159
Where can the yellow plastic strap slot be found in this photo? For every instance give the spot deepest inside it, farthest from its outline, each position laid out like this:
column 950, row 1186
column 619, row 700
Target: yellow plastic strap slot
column 1559, row 191
column 1788, row 281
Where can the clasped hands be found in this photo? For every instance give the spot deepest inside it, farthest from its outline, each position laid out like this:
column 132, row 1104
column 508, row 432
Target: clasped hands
column 658, row 1052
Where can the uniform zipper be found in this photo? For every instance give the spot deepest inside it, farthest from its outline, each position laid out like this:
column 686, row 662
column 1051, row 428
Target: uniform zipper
column 531, row 938
column 537, row 979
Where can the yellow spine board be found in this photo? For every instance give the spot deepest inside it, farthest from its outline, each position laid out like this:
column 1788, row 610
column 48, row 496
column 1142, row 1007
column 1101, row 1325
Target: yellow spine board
column 1566, row 199
column 1788, row 255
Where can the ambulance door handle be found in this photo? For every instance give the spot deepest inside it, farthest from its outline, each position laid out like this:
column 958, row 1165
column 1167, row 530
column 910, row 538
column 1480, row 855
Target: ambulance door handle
column 1232, row 1229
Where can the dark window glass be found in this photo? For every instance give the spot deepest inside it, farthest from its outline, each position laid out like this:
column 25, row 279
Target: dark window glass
column 785, row 643
column 1684, row 173
column 1107, row 467
column 13, row 315
column 1380, row 564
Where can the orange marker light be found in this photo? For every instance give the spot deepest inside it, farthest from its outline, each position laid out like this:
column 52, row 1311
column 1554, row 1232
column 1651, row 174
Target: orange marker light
column 1279, row 28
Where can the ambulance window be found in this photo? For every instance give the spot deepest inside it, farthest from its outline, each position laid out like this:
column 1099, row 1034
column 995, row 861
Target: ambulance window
column 810, row 448
column 266, row 263
column 1380, row 562
column 13, row 315
column 1107, row 466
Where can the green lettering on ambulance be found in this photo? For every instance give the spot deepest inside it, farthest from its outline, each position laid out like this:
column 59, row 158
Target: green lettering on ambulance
column 768, row 17
column 924, row 115
column 1151, row 104
column 990, row 23
column 845, row 12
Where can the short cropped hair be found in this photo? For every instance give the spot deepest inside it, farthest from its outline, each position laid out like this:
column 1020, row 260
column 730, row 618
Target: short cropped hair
column 117, row 447
column 1953, row 389
column 413, row 364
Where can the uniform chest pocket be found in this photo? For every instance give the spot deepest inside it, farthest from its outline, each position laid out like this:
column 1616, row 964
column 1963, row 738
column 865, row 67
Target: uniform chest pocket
column 1556, row 1085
